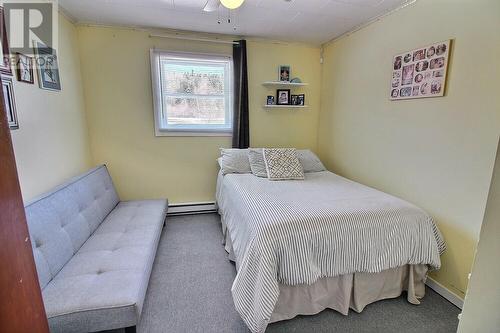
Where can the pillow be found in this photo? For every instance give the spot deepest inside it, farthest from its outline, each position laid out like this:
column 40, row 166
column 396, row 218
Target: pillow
column 234, row 161
column 257, row 164
column 310, row 162
column 282, row 164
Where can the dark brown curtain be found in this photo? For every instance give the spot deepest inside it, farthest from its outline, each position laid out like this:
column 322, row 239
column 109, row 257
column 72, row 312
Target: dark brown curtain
column 241, row 129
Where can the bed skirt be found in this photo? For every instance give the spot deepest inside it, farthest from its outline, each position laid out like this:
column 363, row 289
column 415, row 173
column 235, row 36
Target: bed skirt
column 344, row 292
column 353, row 291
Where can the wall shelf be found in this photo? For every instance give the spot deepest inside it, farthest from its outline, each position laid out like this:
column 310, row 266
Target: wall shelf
column 274, row 106
column 284, row 84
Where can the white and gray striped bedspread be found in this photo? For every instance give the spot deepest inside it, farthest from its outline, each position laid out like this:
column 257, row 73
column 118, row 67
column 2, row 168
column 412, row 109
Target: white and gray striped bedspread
column 296, row 232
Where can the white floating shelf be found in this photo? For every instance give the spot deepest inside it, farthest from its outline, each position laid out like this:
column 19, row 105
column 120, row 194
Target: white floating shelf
column 283, row 84
column 285, row 106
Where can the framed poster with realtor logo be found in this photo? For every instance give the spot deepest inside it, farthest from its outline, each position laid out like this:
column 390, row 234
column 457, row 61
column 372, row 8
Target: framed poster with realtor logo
column 420, row 73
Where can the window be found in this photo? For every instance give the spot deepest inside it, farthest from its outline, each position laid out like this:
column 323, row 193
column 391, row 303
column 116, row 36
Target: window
column 192, row 93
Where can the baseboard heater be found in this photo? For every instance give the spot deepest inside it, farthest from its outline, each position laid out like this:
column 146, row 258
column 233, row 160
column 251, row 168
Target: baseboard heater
column 192, row 208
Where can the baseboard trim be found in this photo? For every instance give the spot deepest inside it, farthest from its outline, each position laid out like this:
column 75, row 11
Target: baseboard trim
column 445, row 292
column 192, row 208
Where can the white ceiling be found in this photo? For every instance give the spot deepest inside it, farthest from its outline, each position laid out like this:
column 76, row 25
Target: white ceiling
column 311, row 21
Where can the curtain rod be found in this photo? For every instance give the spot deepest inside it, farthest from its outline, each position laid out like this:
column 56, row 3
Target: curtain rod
column 220, row 41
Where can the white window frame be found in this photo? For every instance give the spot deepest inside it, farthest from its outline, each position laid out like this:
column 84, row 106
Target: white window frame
column 160, row 129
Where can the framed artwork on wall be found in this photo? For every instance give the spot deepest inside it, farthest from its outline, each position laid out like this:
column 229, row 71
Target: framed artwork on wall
column 283, row 96
column 48, row 67
column 4, row 47
column 24, row 68
column 10, row 102
column 301, row 99
column 420, row 73
column 284, row 73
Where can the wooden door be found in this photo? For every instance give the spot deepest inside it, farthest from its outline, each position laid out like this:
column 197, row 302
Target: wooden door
column 21, row 305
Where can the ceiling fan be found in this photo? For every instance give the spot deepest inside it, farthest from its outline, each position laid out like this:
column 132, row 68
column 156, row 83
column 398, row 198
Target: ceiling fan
column 213, row 5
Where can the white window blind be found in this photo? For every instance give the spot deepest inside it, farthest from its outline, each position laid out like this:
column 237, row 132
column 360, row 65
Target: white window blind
column 192, row 93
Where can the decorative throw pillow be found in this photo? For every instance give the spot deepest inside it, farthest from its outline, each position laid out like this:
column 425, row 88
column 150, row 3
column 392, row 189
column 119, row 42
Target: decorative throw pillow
column 257, row 164
column 310, row 162
column 282, row 164
column 234, row 161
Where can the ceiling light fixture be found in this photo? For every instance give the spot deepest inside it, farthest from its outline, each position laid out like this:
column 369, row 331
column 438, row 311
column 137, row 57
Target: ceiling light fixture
column 232, row 4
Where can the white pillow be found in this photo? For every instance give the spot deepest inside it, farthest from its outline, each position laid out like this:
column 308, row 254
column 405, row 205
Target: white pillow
column 310, row 162
column 257, row 164
column 282, row 164
column 234, row 161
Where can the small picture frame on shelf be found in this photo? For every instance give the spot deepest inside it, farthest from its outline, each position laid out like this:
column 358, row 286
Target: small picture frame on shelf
column 284, row 73
column 283, row 96
column 294, row 99
column 270, row 100
column 10, row 102
column 301, row 100
column 24, row 68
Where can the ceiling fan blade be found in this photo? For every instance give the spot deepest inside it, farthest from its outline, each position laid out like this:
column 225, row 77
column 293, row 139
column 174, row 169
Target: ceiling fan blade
column 211, row 5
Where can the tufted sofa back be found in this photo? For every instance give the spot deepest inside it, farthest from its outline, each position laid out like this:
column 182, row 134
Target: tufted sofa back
column 61, row 221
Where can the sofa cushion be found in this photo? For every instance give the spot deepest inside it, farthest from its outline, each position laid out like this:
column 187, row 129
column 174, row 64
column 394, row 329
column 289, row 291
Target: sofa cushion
column 61, row 221
column 104, row 284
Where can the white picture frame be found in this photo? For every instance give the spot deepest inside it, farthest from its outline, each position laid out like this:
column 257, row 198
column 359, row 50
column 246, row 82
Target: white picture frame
column 10, row 102
column 47, row 67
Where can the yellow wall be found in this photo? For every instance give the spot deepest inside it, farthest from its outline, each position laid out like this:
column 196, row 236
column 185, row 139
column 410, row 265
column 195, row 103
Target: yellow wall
column 117, row 80
column 283, row 127
column 51, row 144
column 438, row 152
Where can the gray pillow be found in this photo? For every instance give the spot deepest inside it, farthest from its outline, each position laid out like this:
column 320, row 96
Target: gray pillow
column 257, row 164
column 234, row 161
column 310, row 162
column 282, row 164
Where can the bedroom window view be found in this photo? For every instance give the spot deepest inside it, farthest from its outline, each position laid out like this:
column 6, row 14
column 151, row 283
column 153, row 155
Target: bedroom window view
column 195, row 93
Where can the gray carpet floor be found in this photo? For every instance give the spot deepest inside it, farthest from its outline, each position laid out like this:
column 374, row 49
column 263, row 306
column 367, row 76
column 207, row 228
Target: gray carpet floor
column 190, row 285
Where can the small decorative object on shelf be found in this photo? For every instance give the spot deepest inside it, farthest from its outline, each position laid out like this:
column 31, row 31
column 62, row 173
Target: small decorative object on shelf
column 283, row 96
column 301, row 99
column 294, row 99
column 270, row 100
column 296, row 80
column 284, row 73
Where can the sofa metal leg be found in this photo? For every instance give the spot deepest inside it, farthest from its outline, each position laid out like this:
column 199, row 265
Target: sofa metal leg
column 130, row 329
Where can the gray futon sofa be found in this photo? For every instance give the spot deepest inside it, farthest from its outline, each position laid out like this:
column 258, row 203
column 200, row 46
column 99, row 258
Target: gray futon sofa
column 93, row 253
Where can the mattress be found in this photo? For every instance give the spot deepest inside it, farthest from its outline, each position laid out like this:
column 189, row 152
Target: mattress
column 297, row 232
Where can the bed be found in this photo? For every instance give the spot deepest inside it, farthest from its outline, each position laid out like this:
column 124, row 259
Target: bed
column 325, row 242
